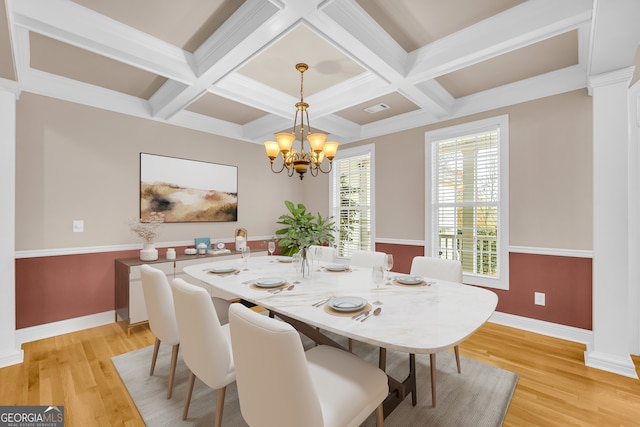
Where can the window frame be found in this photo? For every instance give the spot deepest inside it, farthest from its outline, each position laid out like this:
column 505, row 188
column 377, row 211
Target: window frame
column 345, row 154
column 501, row 281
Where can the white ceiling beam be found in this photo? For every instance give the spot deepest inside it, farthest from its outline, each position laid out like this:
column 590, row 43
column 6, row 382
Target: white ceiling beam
column 73, row 24
column 58, row 87
column 549, row 84
column 350, row 29
column 429, row 95
column 240, row 88
column 249, row 30
column 191, row 120
column 520, row 26
column 614, row 49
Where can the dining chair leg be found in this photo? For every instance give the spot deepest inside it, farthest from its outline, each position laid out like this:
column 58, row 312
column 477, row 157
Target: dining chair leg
column 156, row 347
column 432, row 360
column 172, row 369
column 350, row 343
column 380, row 416
column 192, row 380
column 220, row 406
column 457, row 352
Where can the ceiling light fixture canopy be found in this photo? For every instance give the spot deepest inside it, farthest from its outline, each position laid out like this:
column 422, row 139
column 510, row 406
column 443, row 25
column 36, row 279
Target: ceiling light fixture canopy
column 301, row 161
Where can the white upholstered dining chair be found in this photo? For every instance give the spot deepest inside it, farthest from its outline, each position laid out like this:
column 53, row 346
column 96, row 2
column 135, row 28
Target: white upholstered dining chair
column 443, row 269
column 281, row 385
column 367, row 258
column 206, row 345
column 326, row 253
column 162, row 318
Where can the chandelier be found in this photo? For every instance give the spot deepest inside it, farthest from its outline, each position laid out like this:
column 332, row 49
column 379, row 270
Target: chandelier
column 301, row 161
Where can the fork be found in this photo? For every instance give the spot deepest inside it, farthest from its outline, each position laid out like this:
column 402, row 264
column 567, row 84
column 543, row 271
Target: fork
column 360, row 315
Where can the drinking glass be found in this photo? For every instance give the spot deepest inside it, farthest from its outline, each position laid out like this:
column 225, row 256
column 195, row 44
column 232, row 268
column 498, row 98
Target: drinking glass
column 317, row 254
column 388, row 263
column 377, row 274
column 246, row 253
column 296, row 260
column 272, row 248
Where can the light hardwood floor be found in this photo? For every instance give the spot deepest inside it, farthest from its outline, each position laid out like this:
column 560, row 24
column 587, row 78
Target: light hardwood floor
column 554, row 387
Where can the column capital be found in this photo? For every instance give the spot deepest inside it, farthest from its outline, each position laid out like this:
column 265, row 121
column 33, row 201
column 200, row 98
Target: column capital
column 10, row 86
column 609, row 78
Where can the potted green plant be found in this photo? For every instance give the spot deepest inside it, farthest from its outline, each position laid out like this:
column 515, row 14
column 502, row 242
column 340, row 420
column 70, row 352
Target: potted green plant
column 303, row 229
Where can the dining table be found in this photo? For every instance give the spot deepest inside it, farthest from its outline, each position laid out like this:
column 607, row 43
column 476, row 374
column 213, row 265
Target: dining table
column 418, row 315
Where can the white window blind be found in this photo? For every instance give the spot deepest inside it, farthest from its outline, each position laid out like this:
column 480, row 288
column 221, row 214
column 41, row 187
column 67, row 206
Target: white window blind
column 467, row 217
column 352, row 200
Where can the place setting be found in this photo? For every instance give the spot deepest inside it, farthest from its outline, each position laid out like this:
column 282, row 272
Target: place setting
column 347, row 306
column 223, row 270
column 273, row 285
column 337, row 268
column 409, row 280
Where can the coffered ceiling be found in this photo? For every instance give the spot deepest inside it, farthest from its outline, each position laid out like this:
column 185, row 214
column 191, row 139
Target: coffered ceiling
column 227, row 67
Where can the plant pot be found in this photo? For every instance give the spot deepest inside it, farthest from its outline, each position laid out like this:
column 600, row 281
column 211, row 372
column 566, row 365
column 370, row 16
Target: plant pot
column 148, row 252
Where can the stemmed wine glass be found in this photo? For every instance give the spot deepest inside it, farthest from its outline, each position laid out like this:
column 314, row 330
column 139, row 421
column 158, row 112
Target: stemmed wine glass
column 388, row 264
column 317, row 254
column 272, row 248
column 377, row 274
column 296, row 260
column 246, row 253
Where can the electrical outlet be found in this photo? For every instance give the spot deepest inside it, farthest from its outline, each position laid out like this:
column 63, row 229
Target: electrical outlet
column 538, row 298
column 78, row 226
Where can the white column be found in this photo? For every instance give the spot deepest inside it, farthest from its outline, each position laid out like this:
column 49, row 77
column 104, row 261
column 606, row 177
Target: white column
column 610, row 349
column 634, row 214
column 9, row 353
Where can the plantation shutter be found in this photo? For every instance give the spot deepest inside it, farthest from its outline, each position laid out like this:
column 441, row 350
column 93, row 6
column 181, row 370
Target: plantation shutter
column 351, row 203
column 466, row 200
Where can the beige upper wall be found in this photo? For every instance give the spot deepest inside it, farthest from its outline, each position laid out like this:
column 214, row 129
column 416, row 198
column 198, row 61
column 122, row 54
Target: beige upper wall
column 77, row 162
column 550, row 169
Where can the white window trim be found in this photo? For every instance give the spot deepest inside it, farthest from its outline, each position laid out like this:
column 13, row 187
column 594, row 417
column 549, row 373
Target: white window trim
column 502, row 281
column 353, row 152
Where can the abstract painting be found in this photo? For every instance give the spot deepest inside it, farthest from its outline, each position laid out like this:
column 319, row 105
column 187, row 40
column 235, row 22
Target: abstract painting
column 187, row 190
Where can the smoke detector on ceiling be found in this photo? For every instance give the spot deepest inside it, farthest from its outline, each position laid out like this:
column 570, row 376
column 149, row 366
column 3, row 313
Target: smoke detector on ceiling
column 376, row 108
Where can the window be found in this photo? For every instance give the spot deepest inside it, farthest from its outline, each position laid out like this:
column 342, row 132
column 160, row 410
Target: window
column 467, row 199
column 351, row 199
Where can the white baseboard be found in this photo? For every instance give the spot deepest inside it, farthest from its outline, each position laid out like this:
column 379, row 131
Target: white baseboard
column 12, row 359
column 48, row 330
column 555, row 330
column 610, row 363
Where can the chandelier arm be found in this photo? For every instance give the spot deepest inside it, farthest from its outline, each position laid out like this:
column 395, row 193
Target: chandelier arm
column 275, row 171
column 319, row 167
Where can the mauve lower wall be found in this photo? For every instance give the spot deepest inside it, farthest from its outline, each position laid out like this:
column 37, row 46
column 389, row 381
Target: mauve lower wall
column 565, row 281
column 49, row 289
column 57, row 288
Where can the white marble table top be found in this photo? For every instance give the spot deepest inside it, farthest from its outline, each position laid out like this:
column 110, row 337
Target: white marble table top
column 414, row 319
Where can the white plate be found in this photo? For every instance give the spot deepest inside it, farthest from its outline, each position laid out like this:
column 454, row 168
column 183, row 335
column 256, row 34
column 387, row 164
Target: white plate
column 222, row 269
column 285, row 259
column 337, row 267
column 409, row 280
column 347, row 303
column 269, row 282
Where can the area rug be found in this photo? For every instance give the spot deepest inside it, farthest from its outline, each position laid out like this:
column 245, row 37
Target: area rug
column 477, row 397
